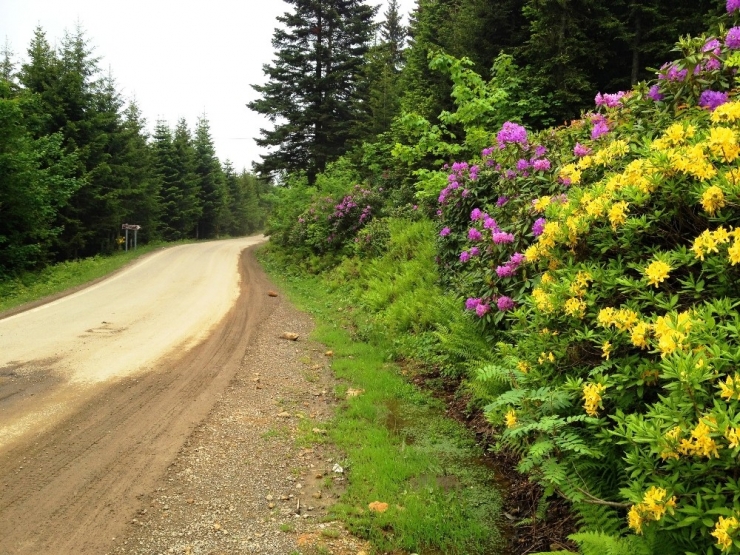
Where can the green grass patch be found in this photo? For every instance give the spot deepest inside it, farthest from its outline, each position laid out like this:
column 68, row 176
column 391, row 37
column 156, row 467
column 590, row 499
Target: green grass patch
column 399, row 448
column 32, row 286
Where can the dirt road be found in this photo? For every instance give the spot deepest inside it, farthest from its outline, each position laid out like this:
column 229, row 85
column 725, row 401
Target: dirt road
column 99, row 390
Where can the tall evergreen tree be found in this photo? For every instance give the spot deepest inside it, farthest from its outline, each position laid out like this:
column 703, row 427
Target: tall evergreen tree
column 393, row 33
column 312, row 91
column 211, row 186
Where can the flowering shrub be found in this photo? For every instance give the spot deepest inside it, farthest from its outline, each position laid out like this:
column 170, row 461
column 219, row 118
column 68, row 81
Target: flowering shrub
column 603, row 258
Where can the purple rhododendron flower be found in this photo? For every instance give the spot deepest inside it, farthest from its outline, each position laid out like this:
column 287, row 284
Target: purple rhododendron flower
column 474, row 251
column 473, row 173
column 712, row 45
column 474, row 234
column 522, row 164
column 464, row 256
column 540, row 151
column 671, row 72
column 501, row 201
column 712, row 99
column 472, row 303
column 511, row 133
column 541, row 165
column 580, row 150
column 482, row 309
column 599, row 130
column 712, row 65
column 486, row 152
column 733, row 5
column 500, row 237
column 505, row 271
column 505, row 303
column 445, row 232
column 465, row 193
column 538, row 227
column 510, row 174
column 655, row 94
column 609, row 100
column 476, row 214
column 518, row 258
column 732, row 40
column 490, row 223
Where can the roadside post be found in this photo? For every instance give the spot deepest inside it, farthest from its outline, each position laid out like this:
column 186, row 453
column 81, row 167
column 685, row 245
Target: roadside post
column 134, row 228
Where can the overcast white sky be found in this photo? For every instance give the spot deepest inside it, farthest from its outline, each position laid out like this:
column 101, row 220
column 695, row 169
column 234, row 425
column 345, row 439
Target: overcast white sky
column 178, row 58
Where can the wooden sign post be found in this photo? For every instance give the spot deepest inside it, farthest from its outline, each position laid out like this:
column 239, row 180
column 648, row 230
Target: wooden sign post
column 134, row 228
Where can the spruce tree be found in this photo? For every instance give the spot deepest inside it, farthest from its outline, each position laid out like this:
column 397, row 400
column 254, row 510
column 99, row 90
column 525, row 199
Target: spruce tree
column 211, row 186
column 312, row 92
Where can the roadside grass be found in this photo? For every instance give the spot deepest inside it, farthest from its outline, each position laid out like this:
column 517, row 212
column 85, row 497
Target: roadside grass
column 32, row 286
column 399, row 448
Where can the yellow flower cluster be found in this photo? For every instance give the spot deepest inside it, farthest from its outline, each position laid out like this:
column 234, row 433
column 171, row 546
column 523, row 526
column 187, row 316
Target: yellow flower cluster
column 639, row 334
column 712, row 199
column 523, row 366
column 542, row 300
column 571, row 173
column 728, row 112
column 510, row 418
column 709, row 241
column 724, row 530
column 618, row 214
column 657, row 272
column 692, row 161
column 722, row 143
column 655, row 504
column 579, row 285
column 606, row 350
column 671, row 438
column 700, row 444
column 546, row 357
column 575, row 307
column 733, row 176
column 623, row 319
column 611, row 152
column 592, row 397
column 541, row 204
column 671, row 332
column 730, row 388
column 676, row 135
column 733, row 437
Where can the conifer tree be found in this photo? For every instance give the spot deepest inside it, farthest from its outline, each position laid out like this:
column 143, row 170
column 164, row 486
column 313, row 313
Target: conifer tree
column 211, row 186
column 312, row 92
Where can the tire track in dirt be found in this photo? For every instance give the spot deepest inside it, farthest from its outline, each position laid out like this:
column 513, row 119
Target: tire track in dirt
column 72, row 488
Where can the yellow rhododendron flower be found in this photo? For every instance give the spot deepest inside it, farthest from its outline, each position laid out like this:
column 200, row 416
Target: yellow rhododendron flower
column 724, row 530
column 712, row 199
column 733, row 252
column 709, row 241
column 655, row 503
column 542, row 300
column 700, row 444
column 606, row 350
column 618, row 214
column 510, row 418
column 592, row 397
column 522, row 366
column 639, row 335
column 723, row 143
column 575, row 307
column 729, row 112
column 730, row 387
column 657, row 272
column 733, row 436
column 541, row 203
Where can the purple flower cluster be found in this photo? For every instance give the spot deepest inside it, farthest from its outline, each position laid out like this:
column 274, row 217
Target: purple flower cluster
column 460, row 171
column 733, row 5
column 445, row 232
column 474, row 234
column 501, row 201
column 511, row 266
column 505, row 303
column 732, row 40
column 366, row 212
column 670, row 72
column 541, row 165
column 712, row 99
column 599, row 130
column 580, row 150
column 476, row 214
column 655, row 94
column 511, row 133
column 538, row 227
column 344, row 207
column 609, row 100
column 501, row 237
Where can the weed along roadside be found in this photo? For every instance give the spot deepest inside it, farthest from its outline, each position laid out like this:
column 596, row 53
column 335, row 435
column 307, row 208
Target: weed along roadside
column 415, row 478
